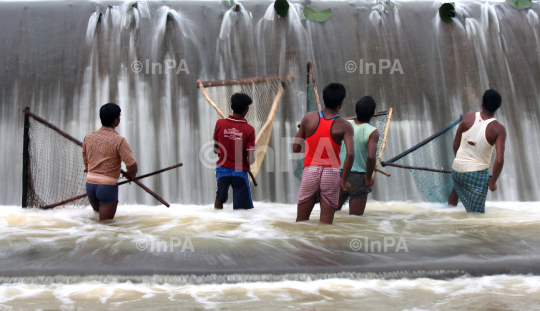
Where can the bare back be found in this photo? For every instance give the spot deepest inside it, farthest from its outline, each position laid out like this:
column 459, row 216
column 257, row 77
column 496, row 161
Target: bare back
column 311, row 122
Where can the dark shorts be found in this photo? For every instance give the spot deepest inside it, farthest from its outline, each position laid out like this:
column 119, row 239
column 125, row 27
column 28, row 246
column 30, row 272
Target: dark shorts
column 104, row 194
column 358, row 186
column 239, row 180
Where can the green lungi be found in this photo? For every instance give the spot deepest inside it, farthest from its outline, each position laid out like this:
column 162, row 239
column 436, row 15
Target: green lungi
column 472, row 189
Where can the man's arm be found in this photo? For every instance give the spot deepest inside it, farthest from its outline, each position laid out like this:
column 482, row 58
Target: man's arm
column 85, row 159
column 251, row 147
column 127, row 157
column 499, row 160
column 372, row 157
column 349, row 158
column 251, row 156
column 457, row 140
column 300, row 138
column 216, row 142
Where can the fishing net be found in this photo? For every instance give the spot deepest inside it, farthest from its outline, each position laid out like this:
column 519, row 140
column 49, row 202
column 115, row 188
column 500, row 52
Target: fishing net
column 430, row 163
column 54, row 168
column 381, row 120
column 266, row 93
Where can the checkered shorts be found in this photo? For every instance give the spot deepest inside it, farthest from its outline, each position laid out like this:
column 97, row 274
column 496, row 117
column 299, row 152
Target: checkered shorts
column 322, row 182
column 472, row 189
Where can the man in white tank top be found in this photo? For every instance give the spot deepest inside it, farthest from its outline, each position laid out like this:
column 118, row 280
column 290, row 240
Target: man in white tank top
column 477, row 135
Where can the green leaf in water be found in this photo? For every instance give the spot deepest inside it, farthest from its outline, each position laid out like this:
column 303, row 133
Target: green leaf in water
column 281, row 7
column 317, row 16
column 520, row 4
column 447, row 11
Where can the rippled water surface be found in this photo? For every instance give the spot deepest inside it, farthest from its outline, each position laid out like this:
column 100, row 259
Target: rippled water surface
column 447, row 259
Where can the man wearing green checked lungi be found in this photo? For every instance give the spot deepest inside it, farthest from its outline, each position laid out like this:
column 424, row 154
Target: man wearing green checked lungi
column 477, row 135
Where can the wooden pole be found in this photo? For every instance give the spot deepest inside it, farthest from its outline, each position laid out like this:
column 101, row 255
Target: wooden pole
column 151, row 174
column 152, row 193
column 240, row 81
column 201, row 86
column 383, row 145
column 416, row 168
column 120, row 183
column 26, row 159
column 275, row 105
column 78, row 142
column 312, row 73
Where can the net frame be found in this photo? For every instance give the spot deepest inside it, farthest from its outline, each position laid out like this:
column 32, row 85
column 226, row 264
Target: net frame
column 249, row 86
column 311, row 83
column 418, row 146
column 423, row 176
column 65, row 182
column 65, row 189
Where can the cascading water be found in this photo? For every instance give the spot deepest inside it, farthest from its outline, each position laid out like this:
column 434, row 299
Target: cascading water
column 445, row 69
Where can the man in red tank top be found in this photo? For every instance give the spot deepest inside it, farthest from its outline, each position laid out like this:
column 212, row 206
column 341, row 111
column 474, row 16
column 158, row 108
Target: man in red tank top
column 323, row 132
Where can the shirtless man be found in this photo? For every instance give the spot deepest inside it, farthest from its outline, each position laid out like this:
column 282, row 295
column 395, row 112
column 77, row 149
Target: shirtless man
column 477, row 135
column 323, row 132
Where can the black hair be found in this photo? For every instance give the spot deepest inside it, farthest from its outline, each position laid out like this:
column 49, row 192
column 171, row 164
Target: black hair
column 108, row 113
column 239, row 102
column 333, row 95
column 365, row 109
column 491, row 100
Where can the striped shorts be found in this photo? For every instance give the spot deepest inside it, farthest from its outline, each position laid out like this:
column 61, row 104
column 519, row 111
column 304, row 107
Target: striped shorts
column 322, row 182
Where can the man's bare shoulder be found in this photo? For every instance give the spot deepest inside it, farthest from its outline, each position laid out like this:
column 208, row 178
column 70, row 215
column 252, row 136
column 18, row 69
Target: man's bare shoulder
column 344, row 124
column 497, row 126
column 311, row 115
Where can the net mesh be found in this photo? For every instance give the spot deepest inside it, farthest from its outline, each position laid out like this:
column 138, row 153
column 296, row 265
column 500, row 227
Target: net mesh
column 264, row 95
column 55, row 168
column 435, row 153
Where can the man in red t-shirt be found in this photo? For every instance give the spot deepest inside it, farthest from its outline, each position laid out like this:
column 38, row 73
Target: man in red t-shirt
column 234, row 142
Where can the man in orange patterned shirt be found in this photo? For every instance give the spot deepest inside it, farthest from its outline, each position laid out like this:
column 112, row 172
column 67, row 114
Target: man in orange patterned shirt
column 103, row 151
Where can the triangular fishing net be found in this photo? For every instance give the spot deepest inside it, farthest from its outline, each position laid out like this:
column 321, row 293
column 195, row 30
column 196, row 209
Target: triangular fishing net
column 266, row 93
column 430, row 163
column 53, row 166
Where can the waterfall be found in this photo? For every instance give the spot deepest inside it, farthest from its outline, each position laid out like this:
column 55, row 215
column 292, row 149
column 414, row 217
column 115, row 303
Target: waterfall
column 90, row 49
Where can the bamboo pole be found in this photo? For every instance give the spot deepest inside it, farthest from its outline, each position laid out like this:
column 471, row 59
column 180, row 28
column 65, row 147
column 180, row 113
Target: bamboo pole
column 78, row 142
column 119, row 184
column 201, row 86
column 151, row 174
column 425, row 141
column 416, row 168
column 26, row 159
column 275, row 105
column 227, row 82
column 383, row 144
column 312, row 73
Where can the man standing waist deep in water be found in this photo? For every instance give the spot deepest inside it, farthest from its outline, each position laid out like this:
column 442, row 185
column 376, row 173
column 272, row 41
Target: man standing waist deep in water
column 366, row 138
column 477, row 135
column 323, row 131
column 234, row 142
column 103, row 151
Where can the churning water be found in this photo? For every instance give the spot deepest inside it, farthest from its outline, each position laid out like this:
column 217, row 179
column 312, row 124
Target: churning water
column 435, row 258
